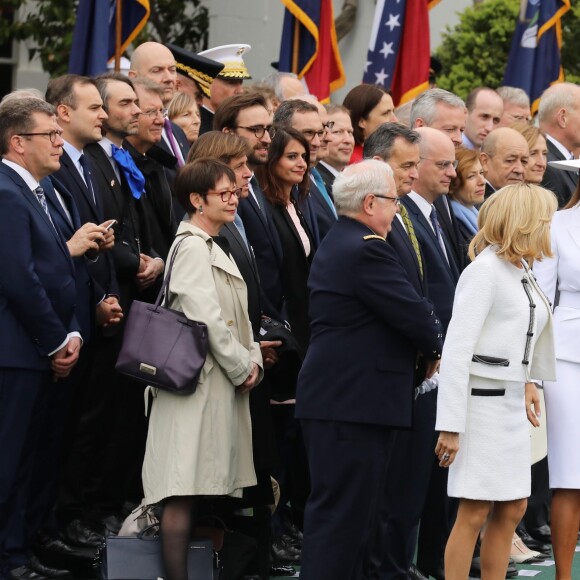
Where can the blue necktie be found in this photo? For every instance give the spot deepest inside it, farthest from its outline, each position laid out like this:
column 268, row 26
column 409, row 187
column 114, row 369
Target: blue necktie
column 131, row 172
column 240, row 226
column 322, row 188
column 39, row 192
column 87, row 176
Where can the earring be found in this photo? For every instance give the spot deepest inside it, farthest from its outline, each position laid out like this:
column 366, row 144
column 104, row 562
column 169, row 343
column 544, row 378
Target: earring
column 200, row 210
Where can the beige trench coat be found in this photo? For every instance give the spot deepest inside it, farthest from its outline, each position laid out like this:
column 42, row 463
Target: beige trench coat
column 201, row 444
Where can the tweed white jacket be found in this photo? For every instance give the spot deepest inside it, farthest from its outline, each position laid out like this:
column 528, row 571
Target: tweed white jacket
column 492, row 334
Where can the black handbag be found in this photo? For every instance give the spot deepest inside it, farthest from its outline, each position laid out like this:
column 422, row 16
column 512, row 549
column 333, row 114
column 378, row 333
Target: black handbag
column 162, row 347
column 139, row 558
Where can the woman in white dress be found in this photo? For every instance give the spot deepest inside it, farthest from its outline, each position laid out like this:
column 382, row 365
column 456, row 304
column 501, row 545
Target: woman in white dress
column 561, row 274
column 499, row 337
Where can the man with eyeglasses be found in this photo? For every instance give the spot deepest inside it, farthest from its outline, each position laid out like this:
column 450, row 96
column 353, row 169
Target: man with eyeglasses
column 340, row 144
column 40, row 336
column 157, row 200
column 418, row 492
column 155, row 62
column 318, row 209
column 247, row 116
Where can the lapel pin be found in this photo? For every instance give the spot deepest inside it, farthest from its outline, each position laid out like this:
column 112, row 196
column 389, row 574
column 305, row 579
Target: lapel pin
column 112, row 183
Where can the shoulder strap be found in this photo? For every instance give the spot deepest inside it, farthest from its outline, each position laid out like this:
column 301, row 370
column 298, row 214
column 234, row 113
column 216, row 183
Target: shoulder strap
column 165, row 285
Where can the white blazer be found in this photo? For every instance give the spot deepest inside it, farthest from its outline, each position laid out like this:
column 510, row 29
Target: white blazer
column 488, row 335
column 562, row 273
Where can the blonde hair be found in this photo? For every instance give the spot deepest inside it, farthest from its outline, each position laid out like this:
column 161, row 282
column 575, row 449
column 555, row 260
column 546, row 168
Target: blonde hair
column 516, row 219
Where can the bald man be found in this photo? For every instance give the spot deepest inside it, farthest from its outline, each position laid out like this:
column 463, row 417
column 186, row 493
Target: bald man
column 155, row 62
column 504, row 157
column 559, row 117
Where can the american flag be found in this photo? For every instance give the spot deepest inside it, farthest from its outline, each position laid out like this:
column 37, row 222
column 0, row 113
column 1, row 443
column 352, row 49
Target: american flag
column 399, row 54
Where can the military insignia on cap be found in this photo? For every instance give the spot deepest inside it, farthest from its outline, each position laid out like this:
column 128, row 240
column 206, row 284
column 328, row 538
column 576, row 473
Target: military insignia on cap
column 230, row 55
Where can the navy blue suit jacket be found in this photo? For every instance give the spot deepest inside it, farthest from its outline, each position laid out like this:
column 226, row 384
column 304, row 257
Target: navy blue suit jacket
column 367, row 325
column 37, row 279
column 324, row 216
column 90, row 210
column 86, row 300
column 263, row 237
column 441, row 275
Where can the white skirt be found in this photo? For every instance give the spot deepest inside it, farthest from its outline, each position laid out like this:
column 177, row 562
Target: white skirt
column 494, row 458
column 562, row 405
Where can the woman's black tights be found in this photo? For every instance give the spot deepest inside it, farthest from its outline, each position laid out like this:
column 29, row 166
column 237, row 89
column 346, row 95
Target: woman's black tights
column 176, row 524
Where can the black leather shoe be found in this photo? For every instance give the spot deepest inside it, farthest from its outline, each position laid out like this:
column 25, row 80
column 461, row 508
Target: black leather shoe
column 415, row 574
column 543, row 534
column 78, row 534
column 37, row 566
column 25, row 573
column 532, row 544
column 293, row 531
column 279, row 569
column 284, row 551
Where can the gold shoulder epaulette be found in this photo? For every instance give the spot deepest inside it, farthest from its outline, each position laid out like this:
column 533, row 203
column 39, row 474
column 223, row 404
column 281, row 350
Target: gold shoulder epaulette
column 373, row 237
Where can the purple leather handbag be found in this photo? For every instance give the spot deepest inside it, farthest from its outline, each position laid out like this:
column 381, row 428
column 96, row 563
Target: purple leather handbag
column 162, row 347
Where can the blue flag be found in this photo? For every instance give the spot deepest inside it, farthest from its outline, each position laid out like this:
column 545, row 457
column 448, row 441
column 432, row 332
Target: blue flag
column 534, row 61
column 94, row 34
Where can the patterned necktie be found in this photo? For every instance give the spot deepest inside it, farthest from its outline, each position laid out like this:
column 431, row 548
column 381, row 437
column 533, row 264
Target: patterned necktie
column 322, row 188
column 412, row 236
column 131, row 172
column 172, row 141
column 39, row 192
column 87, row 176
column 438, row 231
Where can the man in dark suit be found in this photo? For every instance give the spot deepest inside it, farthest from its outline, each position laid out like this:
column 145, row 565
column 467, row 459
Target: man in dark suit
column 107, row 449
column 419, row 491
column 155, row 62
column 39, row 333
column 305, row 117
column 399, row 147
column 247, row 115
column 445, row 112
column 368, row 323
column 504, row 155
column 340, row 143
column 559, row 117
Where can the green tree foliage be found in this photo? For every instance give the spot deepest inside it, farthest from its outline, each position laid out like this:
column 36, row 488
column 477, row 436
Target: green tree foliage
column 49, row 28
column 476, row 51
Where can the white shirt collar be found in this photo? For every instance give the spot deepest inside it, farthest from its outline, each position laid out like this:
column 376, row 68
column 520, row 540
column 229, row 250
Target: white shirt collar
column 72, row 152
column 424, row 206
column 332, row 170
column 24, row 173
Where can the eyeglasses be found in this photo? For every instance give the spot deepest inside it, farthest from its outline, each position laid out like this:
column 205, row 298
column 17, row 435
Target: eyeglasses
column 443, row 165
column 397, row 200
column 328, row 126
column 258, row 130
column 152, row 113
column 226, row 196
column 309, row 134
column 52, row 135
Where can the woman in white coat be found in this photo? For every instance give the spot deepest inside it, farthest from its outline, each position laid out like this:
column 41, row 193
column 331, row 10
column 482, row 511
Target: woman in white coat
column 201, row 444
column 499, row 337
column 561, row 274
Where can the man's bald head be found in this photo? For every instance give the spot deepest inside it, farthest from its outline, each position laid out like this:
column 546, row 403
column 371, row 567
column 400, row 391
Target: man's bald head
column 504, row 157
column 559, row 114
column 153, row 61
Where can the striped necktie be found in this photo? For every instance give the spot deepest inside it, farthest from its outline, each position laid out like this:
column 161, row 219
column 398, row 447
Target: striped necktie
column 41, row 197
column 412, row 236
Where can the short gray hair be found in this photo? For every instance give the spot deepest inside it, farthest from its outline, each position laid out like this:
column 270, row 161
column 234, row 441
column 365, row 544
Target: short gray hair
column 23, row 93
column 273, row 81
column 381, row 141
column 514, row 95
column 425, row 105
column 357, row 181
column 558, row 96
